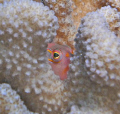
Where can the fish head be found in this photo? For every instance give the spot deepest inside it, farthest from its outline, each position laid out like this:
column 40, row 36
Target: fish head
column 59, row 59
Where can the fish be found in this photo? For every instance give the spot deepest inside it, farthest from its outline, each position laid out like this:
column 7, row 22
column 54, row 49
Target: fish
column 59, row 59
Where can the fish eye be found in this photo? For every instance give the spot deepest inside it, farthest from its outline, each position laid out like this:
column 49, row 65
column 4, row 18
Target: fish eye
column 56, row 55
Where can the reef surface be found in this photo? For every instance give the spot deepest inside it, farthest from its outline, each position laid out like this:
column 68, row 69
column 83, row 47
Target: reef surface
column 27, row 83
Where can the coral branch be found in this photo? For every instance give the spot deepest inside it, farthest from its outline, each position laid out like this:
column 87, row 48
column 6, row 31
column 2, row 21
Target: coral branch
column 10, row 102
column 94, row 70
column 100, row 34
column 25, row 29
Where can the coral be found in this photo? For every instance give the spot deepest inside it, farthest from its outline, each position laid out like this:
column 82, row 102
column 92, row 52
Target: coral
column 25, row 29
column 97, row 47
column 113, row 19
column 86, row 110
column 27, row 26
column 69, row 13
column 114, row 3
column 10, row 102
column 96, row 58
column 102, row 45
column 1, row 1
column 67, row 30
column 82, row 7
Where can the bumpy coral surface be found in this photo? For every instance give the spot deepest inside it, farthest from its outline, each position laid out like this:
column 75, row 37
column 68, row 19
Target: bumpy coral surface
column 25, row 29
column 114, row 3
column 86, row 110
column 10, row 102
column 99, row 32
column 67, row 30
column 70, row 13
column 96, row 58
column 82, row 7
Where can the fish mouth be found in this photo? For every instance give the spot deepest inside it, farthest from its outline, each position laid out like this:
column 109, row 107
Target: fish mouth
column 52, row 61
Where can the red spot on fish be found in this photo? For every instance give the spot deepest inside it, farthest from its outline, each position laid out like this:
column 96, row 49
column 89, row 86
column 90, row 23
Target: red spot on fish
column 59, row 59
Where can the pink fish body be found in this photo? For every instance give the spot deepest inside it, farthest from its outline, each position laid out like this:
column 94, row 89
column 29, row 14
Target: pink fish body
column 59, row 59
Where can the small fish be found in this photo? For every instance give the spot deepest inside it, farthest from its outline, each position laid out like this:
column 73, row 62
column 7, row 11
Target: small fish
column 59, row 59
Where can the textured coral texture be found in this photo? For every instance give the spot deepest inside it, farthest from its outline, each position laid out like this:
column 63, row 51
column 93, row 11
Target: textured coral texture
column 25, row 29
column 114, row 3
column 96, row 58
column 67, row 30
column 92, row 86
column 85, row 110
column 102, row 45
column 69, row 13
column 9, row 101
column 82, row 7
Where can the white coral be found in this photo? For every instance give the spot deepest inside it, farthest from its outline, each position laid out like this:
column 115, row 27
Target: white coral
column 87, row 110
column 25, row 30
column 101, row 45
column 10, row 102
